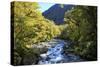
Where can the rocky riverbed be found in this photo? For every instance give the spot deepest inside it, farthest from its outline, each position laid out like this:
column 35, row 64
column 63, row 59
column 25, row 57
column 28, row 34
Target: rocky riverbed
column 51, row 52
column 55, row 53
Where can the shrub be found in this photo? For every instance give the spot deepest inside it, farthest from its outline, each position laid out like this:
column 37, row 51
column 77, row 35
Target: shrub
column 82, row 30
column 30, row 27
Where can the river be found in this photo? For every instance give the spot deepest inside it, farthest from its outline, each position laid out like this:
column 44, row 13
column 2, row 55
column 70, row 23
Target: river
column 55, row 54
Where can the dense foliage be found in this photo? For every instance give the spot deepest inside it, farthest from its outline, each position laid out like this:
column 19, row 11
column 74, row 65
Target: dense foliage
column 29, row 27
column 81, row 29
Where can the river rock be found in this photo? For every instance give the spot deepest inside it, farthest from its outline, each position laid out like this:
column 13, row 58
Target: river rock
column 56, row 53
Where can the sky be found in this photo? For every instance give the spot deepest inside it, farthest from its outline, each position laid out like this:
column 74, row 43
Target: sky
column 45, row 6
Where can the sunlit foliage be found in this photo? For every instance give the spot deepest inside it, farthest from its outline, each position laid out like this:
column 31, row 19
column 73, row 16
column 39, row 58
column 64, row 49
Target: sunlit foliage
column 30, row 27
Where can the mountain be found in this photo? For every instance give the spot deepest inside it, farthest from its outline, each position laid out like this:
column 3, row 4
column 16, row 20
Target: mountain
column 56, row 13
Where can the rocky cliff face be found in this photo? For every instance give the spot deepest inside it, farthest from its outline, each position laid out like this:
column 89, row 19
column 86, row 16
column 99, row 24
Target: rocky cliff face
column 56, row 13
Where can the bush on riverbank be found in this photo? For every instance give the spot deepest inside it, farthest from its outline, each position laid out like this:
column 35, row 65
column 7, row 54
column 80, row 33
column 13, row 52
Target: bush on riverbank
column 29, row 27
column 81, row 29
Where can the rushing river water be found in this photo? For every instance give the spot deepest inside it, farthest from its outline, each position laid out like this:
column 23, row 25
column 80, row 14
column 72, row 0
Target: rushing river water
column 55, row 54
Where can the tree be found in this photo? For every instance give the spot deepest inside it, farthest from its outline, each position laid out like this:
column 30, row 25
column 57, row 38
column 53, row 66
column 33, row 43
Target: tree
column 82, row 30
column 29, row 27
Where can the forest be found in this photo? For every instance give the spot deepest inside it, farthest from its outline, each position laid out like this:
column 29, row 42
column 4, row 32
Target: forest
column 32, row 29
